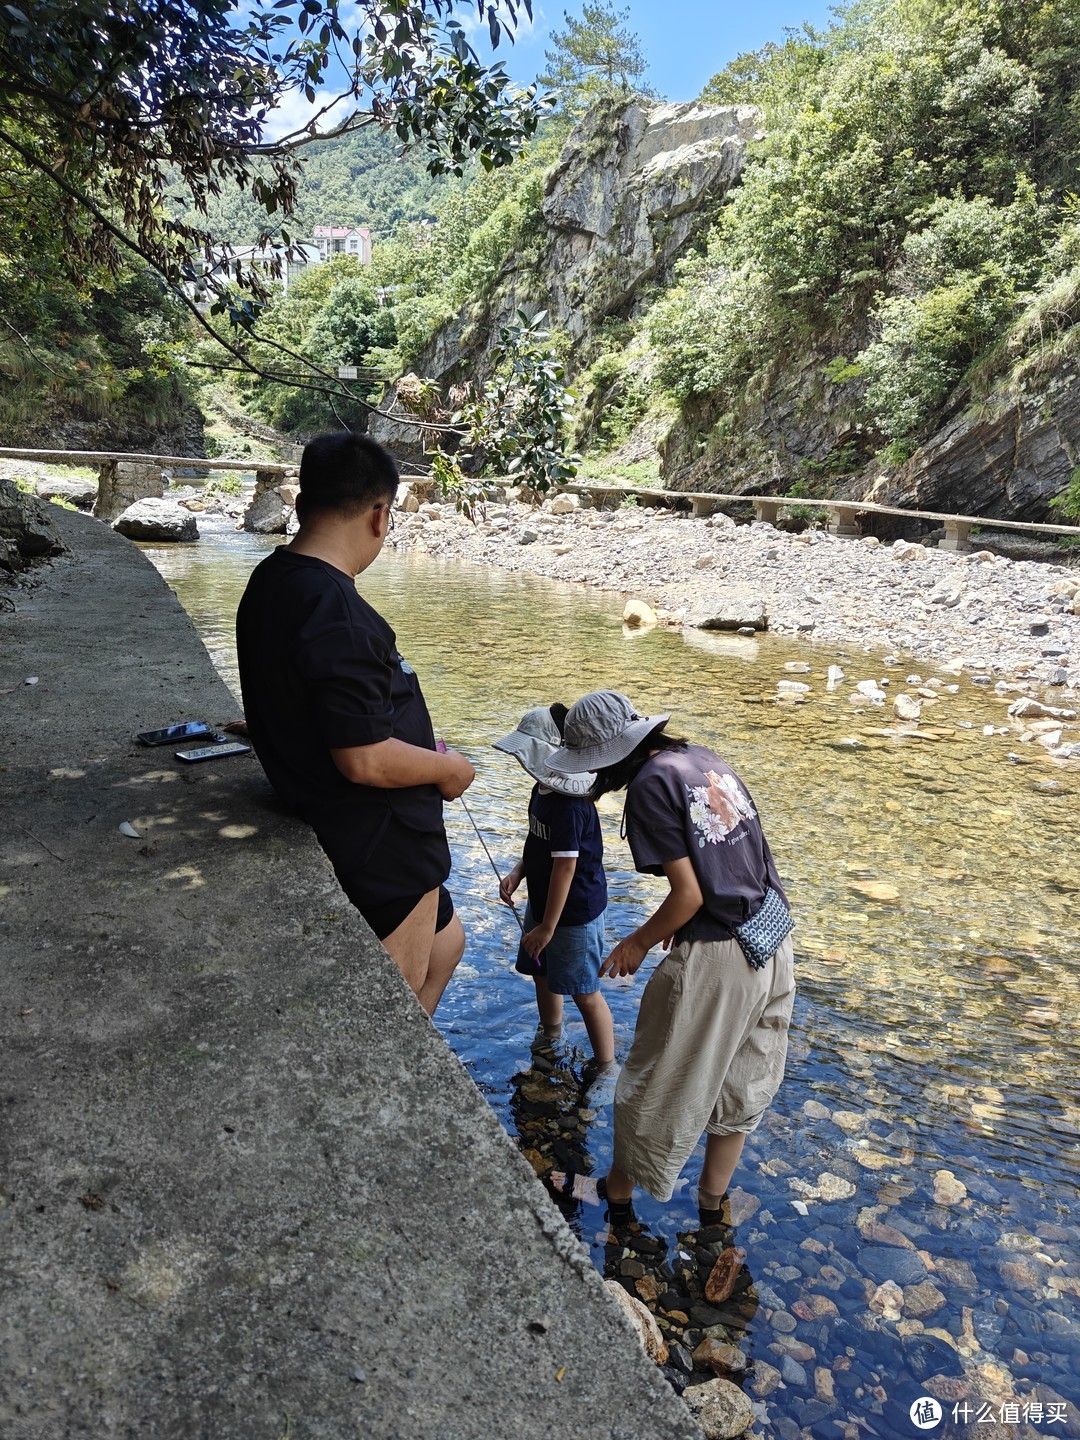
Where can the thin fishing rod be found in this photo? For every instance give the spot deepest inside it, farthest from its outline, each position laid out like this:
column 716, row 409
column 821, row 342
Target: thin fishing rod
column 487, row 852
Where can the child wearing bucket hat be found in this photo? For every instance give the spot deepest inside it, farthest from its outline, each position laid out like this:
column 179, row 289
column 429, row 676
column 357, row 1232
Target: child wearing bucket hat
column 711, row 1035
column 562, row 864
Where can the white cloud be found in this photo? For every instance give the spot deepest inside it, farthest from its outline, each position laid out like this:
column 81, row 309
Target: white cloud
column 296, row 112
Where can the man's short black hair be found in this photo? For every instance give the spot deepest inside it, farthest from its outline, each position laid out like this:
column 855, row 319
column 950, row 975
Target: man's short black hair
column 344, row 472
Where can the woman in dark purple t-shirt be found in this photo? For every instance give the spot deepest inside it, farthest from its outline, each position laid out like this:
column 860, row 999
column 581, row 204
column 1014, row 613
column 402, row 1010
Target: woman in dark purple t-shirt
column 711, row 1036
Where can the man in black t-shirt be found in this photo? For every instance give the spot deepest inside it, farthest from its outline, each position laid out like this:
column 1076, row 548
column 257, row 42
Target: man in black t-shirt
column 337, row 717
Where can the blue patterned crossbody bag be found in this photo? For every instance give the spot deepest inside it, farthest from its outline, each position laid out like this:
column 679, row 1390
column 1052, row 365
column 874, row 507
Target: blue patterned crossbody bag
column 760, row 937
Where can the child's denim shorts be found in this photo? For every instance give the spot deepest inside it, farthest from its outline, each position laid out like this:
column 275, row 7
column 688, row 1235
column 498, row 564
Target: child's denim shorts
column 572, row 959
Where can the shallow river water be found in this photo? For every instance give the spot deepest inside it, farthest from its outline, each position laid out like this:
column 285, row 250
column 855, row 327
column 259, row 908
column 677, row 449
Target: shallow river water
column 936, row 886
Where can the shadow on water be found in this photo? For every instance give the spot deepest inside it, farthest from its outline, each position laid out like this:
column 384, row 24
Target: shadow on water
column 908, row 1208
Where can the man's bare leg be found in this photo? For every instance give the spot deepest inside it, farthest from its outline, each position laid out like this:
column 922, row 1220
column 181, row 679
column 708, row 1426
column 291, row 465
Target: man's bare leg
column 409, row 946
column 447, row 948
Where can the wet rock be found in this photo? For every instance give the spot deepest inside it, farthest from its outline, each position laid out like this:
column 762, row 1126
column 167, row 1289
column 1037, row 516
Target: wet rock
column 791, row 1372
column 782, row 1322
column 1023, row 1272
column 647, row 1288
column 834, row 1187
column 720, row 1409
column 765, row 1380
column 888, row 1300
column 850, row 1121
column 679, row 1358
column 643, row 1323
column 814, row 1110
column 815, row 1307
column 711, row 1354
column 639, row 614
column 948, row 1190
column 825, row 1385
column 884, row 1263
column 742, row 1206
column 922, row 1300
column 157, row 520
column 906, row 707
column 927, row 1355
column 878, row 1234
column 725, row 1275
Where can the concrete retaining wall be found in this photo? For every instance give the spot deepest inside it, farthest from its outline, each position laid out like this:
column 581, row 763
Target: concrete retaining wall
column 246, row 1190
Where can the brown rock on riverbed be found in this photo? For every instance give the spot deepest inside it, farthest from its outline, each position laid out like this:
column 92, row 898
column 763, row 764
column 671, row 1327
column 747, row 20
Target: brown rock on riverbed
column 724, row 1276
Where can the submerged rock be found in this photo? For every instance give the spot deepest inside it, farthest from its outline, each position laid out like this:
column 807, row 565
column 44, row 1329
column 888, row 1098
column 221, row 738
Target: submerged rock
column 720, row 1408
column 724, row 1275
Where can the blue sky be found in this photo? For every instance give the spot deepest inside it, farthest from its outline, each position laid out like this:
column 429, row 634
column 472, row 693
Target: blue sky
column 685, row 41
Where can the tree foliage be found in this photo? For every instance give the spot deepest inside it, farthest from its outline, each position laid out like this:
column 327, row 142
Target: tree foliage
column 918, row 160
column 594, row 57
column 113, row 102
column 516, row 423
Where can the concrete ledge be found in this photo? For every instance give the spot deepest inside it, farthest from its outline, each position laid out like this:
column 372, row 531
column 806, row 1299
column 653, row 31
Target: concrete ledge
column 246, row 1189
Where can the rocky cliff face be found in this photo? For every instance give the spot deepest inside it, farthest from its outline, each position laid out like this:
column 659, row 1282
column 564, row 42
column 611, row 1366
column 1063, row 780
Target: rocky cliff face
column 1006, row 458
column 632, row 186
column 634, row 183
column 121, row 432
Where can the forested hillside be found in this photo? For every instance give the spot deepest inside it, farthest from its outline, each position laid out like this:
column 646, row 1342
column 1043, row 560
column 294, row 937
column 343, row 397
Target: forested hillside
column 902, row 258
column 359, row 179
column 907, row 238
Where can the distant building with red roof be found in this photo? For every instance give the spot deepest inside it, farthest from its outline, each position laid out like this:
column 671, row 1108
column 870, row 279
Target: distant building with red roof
column 343, row 240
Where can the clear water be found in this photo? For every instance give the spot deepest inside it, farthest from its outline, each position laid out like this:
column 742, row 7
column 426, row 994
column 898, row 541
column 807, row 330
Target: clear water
column 937, row 890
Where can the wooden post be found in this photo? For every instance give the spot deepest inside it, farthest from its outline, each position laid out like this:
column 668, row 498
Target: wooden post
column 956, row 535
column 844, row 520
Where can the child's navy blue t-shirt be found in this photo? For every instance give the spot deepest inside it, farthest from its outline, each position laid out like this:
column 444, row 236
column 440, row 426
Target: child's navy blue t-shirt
column 564, row 825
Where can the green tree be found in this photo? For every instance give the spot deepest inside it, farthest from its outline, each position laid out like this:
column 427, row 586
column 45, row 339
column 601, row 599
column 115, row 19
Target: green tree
column 109, row 107
column 115, row 102
column 594, row 57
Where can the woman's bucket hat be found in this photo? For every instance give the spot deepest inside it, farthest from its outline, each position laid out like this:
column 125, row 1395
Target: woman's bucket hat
column 601, row 729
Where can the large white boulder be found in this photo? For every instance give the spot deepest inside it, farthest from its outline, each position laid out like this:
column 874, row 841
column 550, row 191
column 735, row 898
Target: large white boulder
column 154, row 519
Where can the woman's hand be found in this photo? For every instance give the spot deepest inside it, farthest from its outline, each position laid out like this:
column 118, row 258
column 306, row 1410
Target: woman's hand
column 626, row 958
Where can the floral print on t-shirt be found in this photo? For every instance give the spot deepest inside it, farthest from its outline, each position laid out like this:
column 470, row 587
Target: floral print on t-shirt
column 718, row 808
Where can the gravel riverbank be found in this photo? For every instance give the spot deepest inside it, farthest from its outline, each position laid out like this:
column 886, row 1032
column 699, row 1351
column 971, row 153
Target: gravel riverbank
column 986, row 613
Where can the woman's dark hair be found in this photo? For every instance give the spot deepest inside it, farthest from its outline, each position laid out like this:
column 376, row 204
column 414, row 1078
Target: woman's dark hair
column 559, row 713
column 344, row 472
column 619, row 775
